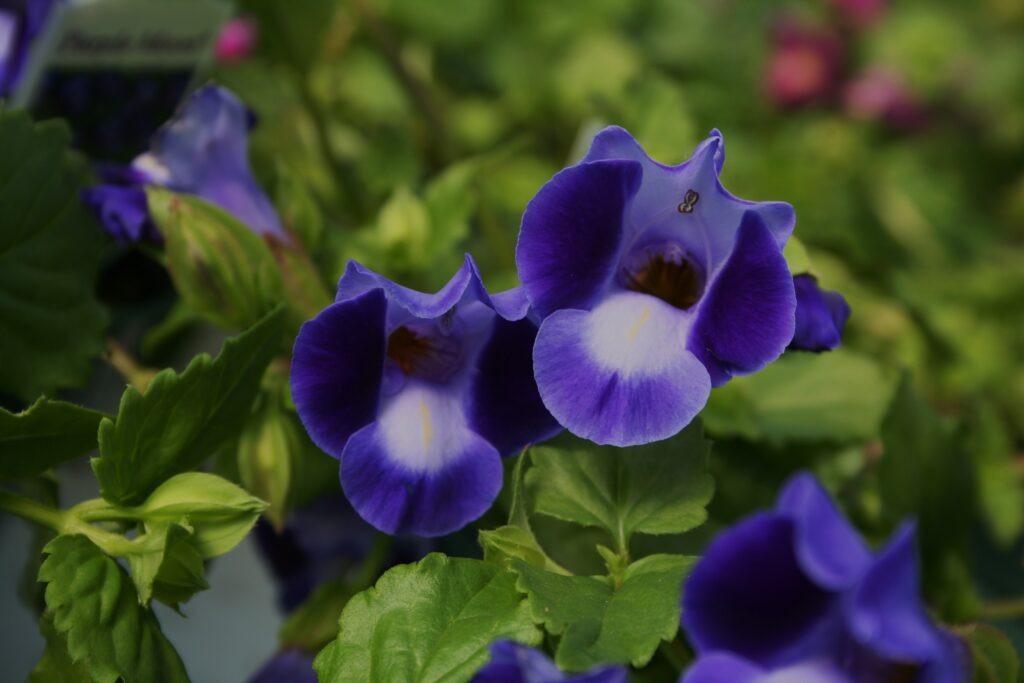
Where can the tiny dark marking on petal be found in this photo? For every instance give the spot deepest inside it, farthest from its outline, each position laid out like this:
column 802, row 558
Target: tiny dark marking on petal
column 689, row 202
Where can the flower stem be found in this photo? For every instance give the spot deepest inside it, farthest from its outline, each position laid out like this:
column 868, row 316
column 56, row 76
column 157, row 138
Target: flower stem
column 26, row 508
column 373, row 563
column 1003, row 610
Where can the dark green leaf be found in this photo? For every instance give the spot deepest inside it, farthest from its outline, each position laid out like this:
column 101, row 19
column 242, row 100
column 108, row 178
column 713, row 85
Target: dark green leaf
column 600, row 623
column 995, row 659
column 47, row 434
column 51, row 325
column 55, row 666
column 93, row 604
column 659, row 488
column 430, row 622
column 181, row 420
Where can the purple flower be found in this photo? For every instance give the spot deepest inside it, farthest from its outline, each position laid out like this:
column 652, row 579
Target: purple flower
column 515, row 663
column 805, row 65
column 237, row 40
column 796, row 592
column 655, row 283
column 21, row 22
column 419, row 395
column 203, row 151
column 820, row 316
column 288, row 666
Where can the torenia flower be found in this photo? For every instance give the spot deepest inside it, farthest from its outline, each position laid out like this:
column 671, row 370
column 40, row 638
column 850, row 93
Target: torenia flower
column 203, row 151
column 821, row 316
column 514, row 663
column 21, row 22
column 655, row 283
column 288, row 666
column 419, row 395
column 794, row 595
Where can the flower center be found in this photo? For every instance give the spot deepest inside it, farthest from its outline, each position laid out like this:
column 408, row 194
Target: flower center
column 664, row 271
column 427, row 350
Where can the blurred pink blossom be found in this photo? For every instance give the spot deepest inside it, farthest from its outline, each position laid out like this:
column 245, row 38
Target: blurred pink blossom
column 860, row 13
column 805, row 65
column 880, row 94
column 237, row 40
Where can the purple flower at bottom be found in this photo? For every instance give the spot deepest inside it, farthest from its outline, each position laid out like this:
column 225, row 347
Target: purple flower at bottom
column 655, row 284
column 21, row 22
column 288, row 666
column 202, row 151
column 794, row 595
column 514, row 663
column 820, row 316
column 419, row 395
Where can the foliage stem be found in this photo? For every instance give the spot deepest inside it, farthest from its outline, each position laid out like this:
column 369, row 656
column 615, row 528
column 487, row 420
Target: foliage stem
column 373, row 563
column 26, row 508
column 1003, row 610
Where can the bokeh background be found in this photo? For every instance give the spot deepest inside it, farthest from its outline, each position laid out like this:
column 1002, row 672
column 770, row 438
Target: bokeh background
column 404, row 132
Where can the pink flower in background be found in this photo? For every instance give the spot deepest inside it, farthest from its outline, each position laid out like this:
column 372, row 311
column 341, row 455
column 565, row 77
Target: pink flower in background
column 805, row 65
column 237, row 40
column 880, row 94
column 860, row 13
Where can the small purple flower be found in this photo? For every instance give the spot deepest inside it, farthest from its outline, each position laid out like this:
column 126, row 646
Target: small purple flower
column 794, row 594
column 805, row 65
column 237, row 40
column 203, row 151
column 21, row 22
column 820, row 316
column 515, row 663
column 655, row 284
column 419, row 395
column 287, row 666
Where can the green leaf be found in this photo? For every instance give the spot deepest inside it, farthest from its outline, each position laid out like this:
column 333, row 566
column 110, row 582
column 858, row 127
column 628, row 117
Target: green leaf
column 503, row 544
column 181, row 574
column 222, row 269
column 182, row 419
column 314, row 623
column 994, row 656
column 430, row 622
column 660, row 488
column 268, row 452
column 55, row 666
column 838, row 396
column 797, row 258
column 601, row 624
column 1000, row 489
column 51, row 325
column 45, row 435
column 94, row 606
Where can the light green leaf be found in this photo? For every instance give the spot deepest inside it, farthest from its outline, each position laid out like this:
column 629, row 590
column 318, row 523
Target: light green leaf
column 181, row 420
column 838, row 396
column 51, row 325
column 1000, row 489
column 503, row 544
column 797, row 258
column 223, row 270
column 181, row 574
column 600, row 623
column 994, row 656
column 430, row 622
column 660, row 488
column 45, row 435
column 94, row 606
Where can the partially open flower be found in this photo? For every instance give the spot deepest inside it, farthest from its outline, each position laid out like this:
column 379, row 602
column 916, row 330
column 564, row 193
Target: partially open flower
column 419, row 395
column 820, row 316
column 655, row 283
column 794, row 594
column 203, row 150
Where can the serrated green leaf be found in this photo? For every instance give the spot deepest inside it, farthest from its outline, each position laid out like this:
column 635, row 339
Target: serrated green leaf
column 601, row 624
column 55, row 665
column 45, row 435
column 51, row 325
column 94, row 605
column 430, row 622
column 838, row 396
column 994, row 656
column 223, row 270
column 659, row 488
column 183, row 419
